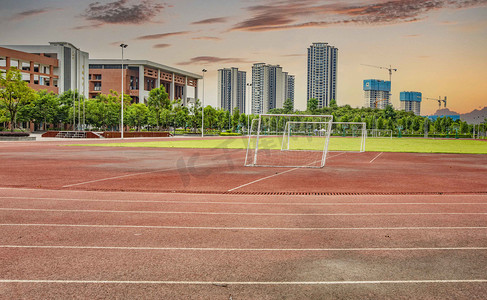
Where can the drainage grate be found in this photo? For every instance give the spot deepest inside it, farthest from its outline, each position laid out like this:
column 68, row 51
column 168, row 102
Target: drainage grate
column 263, row 193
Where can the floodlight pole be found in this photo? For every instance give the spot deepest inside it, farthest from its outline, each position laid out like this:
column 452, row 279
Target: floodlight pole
column 121, row 122
column 203, row 105
column 249, row 85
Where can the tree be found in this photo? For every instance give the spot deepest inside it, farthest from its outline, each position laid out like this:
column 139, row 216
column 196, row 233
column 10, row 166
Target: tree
column 210, row 117
column 195, row 115
column 288, row 106
column 312, row 104
column 43, row 109
column 389, row 112
column 235, row 118
column 14, row 94
column 137, row 115
column 333, row 103
column 157, row 101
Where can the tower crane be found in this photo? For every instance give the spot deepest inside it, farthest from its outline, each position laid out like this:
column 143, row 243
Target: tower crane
column 378, row 101
column 439, row 101
column 390, row 69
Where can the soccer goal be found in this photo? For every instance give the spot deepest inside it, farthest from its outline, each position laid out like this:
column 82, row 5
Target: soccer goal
column 348, row 136
column 281, row 140
column 380, row 133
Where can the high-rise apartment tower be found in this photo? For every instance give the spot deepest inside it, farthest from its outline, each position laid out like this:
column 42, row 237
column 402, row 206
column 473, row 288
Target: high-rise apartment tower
column 231, row 89
column 270, row 87
column 322, row 73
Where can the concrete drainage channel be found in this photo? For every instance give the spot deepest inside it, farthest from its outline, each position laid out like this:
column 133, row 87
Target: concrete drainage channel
column 302, row 193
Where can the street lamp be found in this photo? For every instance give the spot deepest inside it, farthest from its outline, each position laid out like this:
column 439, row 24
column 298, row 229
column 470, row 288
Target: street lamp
column 121, row 127
column 203, row 105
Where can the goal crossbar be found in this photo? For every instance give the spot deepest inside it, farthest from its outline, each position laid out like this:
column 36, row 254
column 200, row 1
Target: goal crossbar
column 268, row 129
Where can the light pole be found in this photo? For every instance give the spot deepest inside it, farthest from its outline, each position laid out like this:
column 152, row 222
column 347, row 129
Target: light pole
column 121, row 123
column 203, row 106
column 249, row 85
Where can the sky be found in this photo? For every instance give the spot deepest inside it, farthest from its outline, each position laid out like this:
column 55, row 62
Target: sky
column 439, row 47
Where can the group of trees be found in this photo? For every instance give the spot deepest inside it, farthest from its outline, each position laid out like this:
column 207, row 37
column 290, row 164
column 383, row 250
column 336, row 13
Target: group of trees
column 20, row 104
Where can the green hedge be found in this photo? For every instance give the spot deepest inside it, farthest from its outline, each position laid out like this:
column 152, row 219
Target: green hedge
column 230, row 134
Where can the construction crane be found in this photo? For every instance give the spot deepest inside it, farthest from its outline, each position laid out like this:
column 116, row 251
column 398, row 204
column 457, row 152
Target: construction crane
column 439, row 101
column 390, row 69
column 377, row 101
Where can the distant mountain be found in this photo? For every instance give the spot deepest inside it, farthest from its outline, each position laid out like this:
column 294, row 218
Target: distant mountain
column 445, row 112
column 474, row 117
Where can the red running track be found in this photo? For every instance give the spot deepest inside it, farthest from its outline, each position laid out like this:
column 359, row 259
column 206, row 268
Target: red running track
column 122, row 236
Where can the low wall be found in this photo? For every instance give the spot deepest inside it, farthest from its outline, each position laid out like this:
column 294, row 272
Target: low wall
column 135, row 134
column 115, row 134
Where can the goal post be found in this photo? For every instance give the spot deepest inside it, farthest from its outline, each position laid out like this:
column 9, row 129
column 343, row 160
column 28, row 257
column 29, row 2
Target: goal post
column 348, row 136
column 289, row 140
column 380, row 133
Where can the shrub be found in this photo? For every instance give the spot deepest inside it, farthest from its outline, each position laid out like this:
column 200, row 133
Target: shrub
column 230, row 134
column 7, row 133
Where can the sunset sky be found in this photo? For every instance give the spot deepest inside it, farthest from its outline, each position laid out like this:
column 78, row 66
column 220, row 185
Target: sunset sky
column 438, row 46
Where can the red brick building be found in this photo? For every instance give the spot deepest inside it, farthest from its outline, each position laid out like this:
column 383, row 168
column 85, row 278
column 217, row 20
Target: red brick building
column 38, row 70
column 139, row 78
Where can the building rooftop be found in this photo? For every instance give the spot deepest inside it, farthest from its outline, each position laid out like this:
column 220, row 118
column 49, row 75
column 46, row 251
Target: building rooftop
column 148, row 63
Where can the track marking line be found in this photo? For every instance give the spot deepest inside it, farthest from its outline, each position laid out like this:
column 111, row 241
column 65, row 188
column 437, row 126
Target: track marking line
column 248, row 203
column 375, row 157
column 136, row 174
column 240, row 249
column 246, row 228
column 273, row 175
column 344, row 282
column 229, row 213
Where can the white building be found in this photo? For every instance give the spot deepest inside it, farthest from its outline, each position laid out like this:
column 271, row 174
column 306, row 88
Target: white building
column 231, row 89
column 73, row 66
column 322, row 73
column 290, row 87
column 270, row 87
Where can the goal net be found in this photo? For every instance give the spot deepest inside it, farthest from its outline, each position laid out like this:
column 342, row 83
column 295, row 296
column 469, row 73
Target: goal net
column 279, row 140
column 380, row 133
column 348, row 136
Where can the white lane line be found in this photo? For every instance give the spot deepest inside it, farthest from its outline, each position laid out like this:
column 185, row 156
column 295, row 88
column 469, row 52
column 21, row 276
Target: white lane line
column 344, row 282
column 248, row 203
column 232, row 213
column 244, row 228
column 241, row 249
column 136, row 174
column 375, row 157
column 264, row 178
column 274, row 175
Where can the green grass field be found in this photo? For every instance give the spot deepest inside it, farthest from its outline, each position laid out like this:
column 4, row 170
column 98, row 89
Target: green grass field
column 415, row 145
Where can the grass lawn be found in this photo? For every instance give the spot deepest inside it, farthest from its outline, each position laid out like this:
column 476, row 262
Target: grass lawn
column 417, row 145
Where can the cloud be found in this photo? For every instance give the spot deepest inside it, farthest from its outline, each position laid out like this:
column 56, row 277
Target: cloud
column 33, row 12
column 210, row 21
column 160, row 46
column 286, row 14
column 96, row 25
column 209, row 38
column 211, row 60
column 121, row 12
column 161, row 35
column 293, row 55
